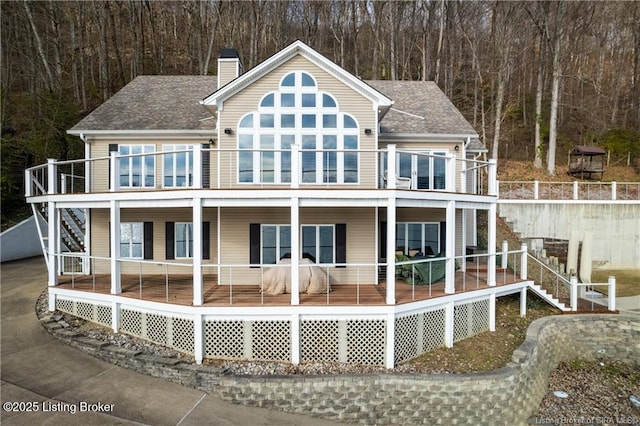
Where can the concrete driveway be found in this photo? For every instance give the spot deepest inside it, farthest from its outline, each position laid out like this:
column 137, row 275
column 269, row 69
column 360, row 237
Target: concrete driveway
column 43, row 381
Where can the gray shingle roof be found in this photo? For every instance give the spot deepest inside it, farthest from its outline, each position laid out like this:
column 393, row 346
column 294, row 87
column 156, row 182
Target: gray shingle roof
column 173, row 103
column 420, row 107
column 155, row 103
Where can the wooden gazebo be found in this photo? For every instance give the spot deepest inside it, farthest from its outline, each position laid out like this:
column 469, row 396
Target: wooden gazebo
column 586, row 161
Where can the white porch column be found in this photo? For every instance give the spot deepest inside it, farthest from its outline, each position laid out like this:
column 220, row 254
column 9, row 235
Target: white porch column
column 218, row 242
column 391, row 168
column 52, row 238
column 492, row 170
column 197, row 166
column 390, row 341
column 116, row 316
column 614, row 188
column 505, row 254
column 450, row 248
column 391, row 250
column 295, row 168
column 295, row 338
column 450, row 181
column 114, row 181
column 114, row 232
column 198, row 339
column 449, row 319
column 295, row 251
column 87, row 168
column 574, row 293
column 611, row 298
column 492, row 312
column 197, row 252
column 524, row 268
column 523, row 302
column 463, row 244
column 491, row 245
column 51, row 176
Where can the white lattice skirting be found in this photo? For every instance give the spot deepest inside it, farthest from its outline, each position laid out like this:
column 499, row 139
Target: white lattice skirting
column 357, row 338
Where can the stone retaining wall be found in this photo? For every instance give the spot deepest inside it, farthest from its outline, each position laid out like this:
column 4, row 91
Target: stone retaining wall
column 507, row 396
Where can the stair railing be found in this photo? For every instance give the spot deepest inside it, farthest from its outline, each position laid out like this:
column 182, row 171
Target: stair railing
column 549, row 280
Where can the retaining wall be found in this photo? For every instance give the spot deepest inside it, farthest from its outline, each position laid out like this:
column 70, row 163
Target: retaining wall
column 615, row 226
column 506, row 396
column 21, row 241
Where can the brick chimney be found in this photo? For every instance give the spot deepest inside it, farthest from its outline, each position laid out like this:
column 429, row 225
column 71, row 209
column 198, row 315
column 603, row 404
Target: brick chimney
column 229, row 66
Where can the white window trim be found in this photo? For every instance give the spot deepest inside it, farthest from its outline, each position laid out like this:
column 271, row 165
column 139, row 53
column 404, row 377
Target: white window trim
column 278, row 246
column 431, row 155
column 143, row 167
column 422, row 236
column 298, row 131
column 189, row 248
column 130, row 243
column 333, row 241
column 169, row 149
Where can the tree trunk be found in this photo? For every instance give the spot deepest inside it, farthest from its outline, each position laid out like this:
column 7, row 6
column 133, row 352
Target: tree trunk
column 49, row 82
column 440, row 35
column 537, row 161
column 498, row 122
column 553, row 121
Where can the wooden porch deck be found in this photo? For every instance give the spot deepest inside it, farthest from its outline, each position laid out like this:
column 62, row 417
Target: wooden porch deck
column 179, row 290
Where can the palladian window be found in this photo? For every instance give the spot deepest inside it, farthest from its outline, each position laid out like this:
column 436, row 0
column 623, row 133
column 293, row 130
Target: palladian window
column 298, row 113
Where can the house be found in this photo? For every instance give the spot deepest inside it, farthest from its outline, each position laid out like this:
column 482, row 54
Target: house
column 194, row 189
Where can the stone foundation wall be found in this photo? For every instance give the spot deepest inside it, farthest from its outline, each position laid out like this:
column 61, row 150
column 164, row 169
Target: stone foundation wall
column 509, row 395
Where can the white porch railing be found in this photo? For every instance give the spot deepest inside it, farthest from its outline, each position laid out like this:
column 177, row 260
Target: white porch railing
column 268, row 168
column 587, row 292
column 536, row 190
column 568, row 289
column 93, row 273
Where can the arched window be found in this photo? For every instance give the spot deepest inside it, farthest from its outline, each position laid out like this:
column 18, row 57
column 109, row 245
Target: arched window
column 298, row 113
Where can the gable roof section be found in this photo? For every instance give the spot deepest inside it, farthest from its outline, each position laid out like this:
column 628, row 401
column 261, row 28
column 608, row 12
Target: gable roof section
column 420, row 108
column 297, row 48
column 154, row 103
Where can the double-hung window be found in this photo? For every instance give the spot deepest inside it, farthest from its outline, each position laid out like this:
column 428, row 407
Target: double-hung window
column 298, row 113
column 318, row 241
column 323, row 243
column 276, row 242
column 132, row 240
column 136, row 170
column 183, row 240
column 177, row 165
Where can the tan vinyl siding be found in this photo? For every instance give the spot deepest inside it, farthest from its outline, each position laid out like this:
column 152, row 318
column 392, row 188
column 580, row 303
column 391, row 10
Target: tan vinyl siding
column 100, row 168
column 460, row 250
column 227, row 70
column 248, row 99
column 100, row 238
column 361, row 243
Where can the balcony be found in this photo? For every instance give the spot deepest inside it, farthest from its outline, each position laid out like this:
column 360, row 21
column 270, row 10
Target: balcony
column 263, row 169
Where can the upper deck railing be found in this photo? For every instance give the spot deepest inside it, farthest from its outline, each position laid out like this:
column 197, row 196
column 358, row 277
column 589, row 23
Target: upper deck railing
column 208, row 168
column 535, row 190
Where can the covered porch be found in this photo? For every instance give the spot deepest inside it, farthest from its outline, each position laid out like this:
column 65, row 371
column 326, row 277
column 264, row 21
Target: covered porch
column 177, row 289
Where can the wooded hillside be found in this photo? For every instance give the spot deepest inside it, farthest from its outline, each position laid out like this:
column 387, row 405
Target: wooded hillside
column 533, row 77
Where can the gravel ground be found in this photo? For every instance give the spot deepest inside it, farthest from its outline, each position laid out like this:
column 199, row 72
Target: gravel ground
column 600, row 392
column 597, row 393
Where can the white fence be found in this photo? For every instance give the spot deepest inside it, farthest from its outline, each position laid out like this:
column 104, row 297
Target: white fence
column 536, row 190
